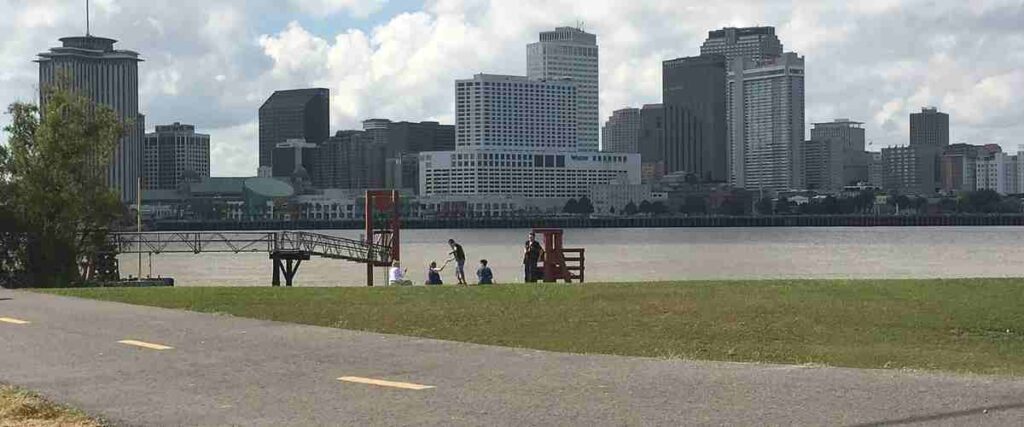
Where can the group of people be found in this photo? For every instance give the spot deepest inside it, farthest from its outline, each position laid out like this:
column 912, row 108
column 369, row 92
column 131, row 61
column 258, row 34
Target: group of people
column 532, row 254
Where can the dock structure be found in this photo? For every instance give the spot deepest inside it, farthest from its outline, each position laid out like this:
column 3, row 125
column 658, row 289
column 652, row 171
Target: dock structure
column 559, row 262
column 286, row 249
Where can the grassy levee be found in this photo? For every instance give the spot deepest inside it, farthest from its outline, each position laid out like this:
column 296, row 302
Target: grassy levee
column 963, row 325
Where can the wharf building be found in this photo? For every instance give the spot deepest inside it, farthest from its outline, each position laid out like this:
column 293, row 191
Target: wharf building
column 572, row 53
column 518, row 136
column 90, row 66
column 172, row 154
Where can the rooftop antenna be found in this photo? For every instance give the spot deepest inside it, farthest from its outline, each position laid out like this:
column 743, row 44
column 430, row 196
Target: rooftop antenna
column 87, row 18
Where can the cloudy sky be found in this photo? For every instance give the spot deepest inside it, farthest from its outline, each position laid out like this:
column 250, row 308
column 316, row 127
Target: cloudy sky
column 213, row 62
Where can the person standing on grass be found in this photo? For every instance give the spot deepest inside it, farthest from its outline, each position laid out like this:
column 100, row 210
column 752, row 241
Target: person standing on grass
column 484, row 275
column 460, row 261
column 396, row 277
column 532, row 253
column 434, row 274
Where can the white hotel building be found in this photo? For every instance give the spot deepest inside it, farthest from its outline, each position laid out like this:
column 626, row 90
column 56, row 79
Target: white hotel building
column 518, row 136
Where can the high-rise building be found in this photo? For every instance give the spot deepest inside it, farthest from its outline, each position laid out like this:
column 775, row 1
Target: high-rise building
column 293, row 114
column 743, row 48
column 693, row 95
column 621, row 133
column 573, row 53
column 515, row 113
column 759, row 44
column 999, row 172
column 652, row 142
column 823, row 164
column 875, row 168
column 929, row 127
column 959, row 166
column 173, row 153
column 294, row 158
column 91, row 67
column 910, row 169
column 350, row 159
column 849, row 137
column 766, row 128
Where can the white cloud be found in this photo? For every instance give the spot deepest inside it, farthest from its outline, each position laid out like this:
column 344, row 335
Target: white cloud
column 322, row 8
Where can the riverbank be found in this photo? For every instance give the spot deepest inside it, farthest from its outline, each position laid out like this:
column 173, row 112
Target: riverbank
column 963, row 325
column 22, row 408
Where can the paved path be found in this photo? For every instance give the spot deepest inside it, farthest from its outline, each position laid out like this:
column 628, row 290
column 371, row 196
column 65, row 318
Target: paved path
column 223, row 370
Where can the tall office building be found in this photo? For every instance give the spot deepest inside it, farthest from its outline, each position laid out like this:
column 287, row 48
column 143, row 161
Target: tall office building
column 929, row 127
column 766, row 123
column 91, row 67
column 621, row 133
column 172, row 153
column 515, row 113
column 910, row 169
column 693, row 95
column 293, row 114
column 573, row 53
column 350, row 159
column 823, row 164
column 652, row 142
column 847, row 137
column 759, row 44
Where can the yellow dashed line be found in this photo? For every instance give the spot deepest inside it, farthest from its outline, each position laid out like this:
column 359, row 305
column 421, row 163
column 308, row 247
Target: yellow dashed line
column 14, row 321
column 144, row 344
column 385, row 383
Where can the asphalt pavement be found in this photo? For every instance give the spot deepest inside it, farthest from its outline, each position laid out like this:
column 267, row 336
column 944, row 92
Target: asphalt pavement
column 135, row 365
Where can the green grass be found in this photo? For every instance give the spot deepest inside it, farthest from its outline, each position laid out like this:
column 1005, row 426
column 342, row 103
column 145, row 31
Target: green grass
column 970, row 325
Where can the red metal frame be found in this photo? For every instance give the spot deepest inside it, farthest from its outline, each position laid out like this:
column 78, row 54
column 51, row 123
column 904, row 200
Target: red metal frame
column 387, row 234
column 555, row 261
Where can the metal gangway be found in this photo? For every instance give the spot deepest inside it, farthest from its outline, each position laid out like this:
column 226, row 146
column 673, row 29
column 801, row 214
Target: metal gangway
column 287, row 249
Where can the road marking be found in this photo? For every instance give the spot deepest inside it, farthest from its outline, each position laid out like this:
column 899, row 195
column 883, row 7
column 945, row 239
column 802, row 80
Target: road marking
column 144, row 344
column 14, row 321
column 385, row 383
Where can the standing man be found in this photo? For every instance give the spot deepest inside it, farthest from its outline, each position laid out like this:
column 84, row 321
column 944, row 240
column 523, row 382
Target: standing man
column 460, row 261
column 531, row 255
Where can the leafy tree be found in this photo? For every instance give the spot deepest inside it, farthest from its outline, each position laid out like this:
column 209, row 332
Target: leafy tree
column 630, row 208
column 694, row 205
column 571, row 207
column 658, row 208
column 902, row 202
column 54, row 180
column 645, row 207
column 764, row 206
column 585, row 207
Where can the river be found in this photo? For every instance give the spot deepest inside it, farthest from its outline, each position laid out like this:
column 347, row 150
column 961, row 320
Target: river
column 635, row 254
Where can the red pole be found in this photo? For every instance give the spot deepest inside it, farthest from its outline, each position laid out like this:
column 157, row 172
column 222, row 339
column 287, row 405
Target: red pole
column 396, row 225
column 368, row 212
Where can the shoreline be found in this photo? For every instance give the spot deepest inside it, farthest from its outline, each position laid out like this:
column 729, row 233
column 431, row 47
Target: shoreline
column 611, row 222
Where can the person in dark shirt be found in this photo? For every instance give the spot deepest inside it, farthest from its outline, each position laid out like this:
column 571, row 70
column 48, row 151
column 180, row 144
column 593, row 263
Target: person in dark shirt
column 532, row 252
column 484, row 275
column 434, row 274
column 460, row 261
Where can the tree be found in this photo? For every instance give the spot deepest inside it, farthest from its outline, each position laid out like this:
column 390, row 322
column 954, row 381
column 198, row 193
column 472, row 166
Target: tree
column 645, row 207
column 571, row 207
column 694, row 205
column 585, row 207
column 54, row 177
column 630, row 208
column 764, row 206
column 658, row 208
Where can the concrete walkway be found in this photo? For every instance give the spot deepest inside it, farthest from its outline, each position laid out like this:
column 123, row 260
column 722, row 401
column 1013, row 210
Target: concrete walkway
column 222, row 370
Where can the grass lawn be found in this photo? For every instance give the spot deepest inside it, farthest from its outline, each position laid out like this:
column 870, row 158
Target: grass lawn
column 969, row 325
column 21, row 408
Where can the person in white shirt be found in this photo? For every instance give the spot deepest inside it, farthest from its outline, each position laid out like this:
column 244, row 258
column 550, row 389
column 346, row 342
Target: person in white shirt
column 396, row 277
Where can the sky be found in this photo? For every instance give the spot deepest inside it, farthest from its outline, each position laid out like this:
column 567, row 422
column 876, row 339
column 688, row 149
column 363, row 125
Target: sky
column 212, row 63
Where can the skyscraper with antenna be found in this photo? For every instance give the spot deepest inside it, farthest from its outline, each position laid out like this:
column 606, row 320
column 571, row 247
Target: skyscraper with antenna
column 92, row 67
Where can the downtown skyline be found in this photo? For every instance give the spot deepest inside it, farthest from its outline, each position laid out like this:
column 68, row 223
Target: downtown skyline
column 402, row 64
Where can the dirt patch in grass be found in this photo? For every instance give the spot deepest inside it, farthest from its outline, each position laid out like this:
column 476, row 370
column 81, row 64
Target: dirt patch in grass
column 25, row 409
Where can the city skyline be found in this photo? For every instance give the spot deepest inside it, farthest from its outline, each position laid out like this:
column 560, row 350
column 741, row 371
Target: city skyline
column 401, row 62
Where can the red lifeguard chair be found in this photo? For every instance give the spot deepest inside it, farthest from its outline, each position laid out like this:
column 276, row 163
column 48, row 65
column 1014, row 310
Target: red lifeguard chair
column 560, row 263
